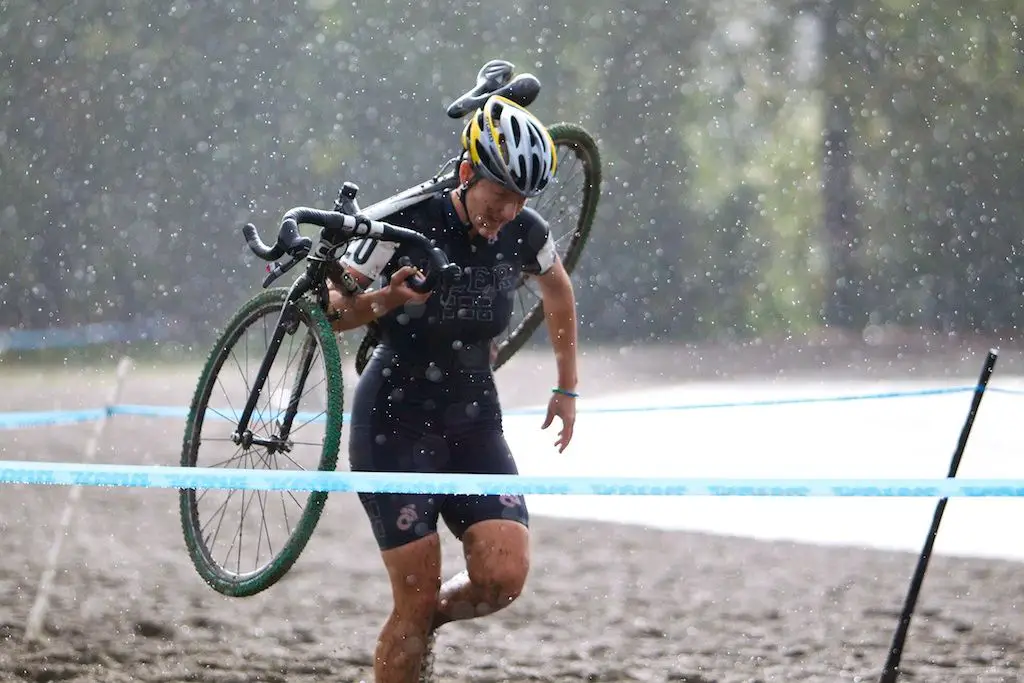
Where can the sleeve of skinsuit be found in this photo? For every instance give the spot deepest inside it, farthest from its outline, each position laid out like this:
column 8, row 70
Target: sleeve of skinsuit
column 539, row 253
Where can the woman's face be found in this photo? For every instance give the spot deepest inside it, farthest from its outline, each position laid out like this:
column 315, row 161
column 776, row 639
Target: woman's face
column 491, row 206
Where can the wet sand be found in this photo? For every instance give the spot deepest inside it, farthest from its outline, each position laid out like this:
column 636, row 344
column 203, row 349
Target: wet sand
column 604, row 602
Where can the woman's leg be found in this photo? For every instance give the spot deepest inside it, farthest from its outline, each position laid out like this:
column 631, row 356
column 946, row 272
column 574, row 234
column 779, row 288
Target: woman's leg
column 415, row 573
column 388, row 435
column 497, row 553
column 493, row 529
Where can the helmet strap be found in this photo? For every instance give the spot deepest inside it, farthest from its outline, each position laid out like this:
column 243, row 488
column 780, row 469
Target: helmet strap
column 463, row 189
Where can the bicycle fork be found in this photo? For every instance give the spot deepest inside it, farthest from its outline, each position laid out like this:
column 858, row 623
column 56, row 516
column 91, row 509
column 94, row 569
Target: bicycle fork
column 243, row 436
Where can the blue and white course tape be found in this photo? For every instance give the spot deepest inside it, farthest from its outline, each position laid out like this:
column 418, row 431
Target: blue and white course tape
column 139, row 476
column 21, row 419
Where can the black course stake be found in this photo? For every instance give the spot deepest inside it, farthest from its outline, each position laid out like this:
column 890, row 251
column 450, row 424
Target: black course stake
column 891, row 671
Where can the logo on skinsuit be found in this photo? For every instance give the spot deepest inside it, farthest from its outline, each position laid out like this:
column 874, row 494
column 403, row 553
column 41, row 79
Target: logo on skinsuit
column 407, row 516
column 509, row 501
column 472, row 298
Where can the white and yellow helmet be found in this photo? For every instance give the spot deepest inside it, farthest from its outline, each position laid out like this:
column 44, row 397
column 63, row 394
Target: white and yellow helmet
column 509, row 145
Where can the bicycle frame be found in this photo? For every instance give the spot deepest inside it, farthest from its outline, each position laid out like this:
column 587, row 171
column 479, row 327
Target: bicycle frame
column 314, row 277
column 414, row 195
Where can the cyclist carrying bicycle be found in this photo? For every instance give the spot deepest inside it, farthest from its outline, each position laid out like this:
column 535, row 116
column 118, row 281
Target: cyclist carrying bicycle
column 427, row 401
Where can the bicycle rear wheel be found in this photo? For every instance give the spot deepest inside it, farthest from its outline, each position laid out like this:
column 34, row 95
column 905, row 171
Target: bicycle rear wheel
column 242, row 542
column 569, row 205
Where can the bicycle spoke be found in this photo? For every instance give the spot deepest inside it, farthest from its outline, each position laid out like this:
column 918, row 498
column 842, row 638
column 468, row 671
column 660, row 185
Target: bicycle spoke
column 284, row 509
column 291, row 494
column 316, row 419
column 223, row 416
column 314, row 444
column 211, row 541
column 264, row 530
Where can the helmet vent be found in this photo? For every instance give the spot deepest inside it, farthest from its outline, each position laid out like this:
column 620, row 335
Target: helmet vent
column 517, row 133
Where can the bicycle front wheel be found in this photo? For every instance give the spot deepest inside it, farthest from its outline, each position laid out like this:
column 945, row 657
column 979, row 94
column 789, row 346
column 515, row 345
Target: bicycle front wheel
column 243, row 541
column 569, row 205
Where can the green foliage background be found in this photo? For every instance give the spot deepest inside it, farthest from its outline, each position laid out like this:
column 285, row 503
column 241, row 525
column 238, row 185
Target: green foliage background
column 136, row 140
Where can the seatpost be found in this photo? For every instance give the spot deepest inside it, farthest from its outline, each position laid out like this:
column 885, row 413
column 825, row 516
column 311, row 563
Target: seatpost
column 346, row 201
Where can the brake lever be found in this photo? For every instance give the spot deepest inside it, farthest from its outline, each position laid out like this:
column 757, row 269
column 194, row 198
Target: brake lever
column 278, row 269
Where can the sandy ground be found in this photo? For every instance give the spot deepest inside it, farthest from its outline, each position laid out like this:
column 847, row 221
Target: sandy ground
column 604, row 602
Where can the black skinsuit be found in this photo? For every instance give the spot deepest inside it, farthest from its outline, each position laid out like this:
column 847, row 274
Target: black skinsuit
column 426, row 401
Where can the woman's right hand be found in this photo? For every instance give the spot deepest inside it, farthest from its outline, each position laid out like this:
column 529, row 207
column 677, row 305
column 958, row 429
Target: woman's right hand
column 400, row 293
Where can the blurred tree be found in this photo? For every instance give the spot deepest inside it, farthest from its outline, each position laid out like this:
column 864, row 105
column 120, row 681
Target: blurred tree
column 843, row 306
column 770, row 165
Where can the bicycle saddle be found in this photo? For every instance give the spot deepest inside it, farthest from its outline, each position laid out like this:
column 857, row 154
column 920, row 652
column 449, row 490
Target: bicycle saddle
column 495, row 78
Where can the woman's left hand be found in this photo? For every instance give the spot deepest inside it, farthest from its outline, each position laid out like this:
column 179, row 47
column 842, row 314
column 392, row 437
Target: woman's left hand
column 563, row 407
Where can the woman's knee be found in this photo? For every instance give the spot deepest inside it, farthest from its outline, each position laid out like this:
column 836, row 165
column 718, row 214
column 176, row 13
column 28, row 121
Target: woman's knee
column 502, row 583
column 498, row 559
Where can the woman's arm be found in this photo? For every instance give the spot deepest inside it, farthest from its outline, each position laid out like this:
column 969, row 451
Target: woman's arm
column 351, row 310
column 560, row 312
column 559, row 302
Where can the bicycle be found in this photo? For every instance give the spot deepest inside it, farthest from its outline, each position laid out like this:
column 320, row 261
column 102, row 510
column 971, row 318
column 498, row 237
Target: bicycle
column 280, row 356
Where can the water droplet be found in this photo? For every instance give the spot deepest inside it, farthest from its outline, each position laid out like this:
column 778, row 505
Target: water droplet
column 434, row 373
column 457, row 344
column 380, row 439
column 402, row 318
column 386, row 372
column 473, row 409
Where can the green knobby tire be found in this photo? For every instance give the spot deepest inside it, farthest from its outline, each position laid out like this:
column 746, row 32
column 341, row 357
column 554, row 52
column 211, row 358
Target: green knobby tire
column 223, row 368
column 569, row 139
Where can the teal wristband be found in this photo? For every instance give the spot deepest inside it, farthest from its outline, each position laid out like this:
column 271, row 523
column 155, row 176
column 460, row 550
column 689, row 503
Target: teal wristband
column 563, row 392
